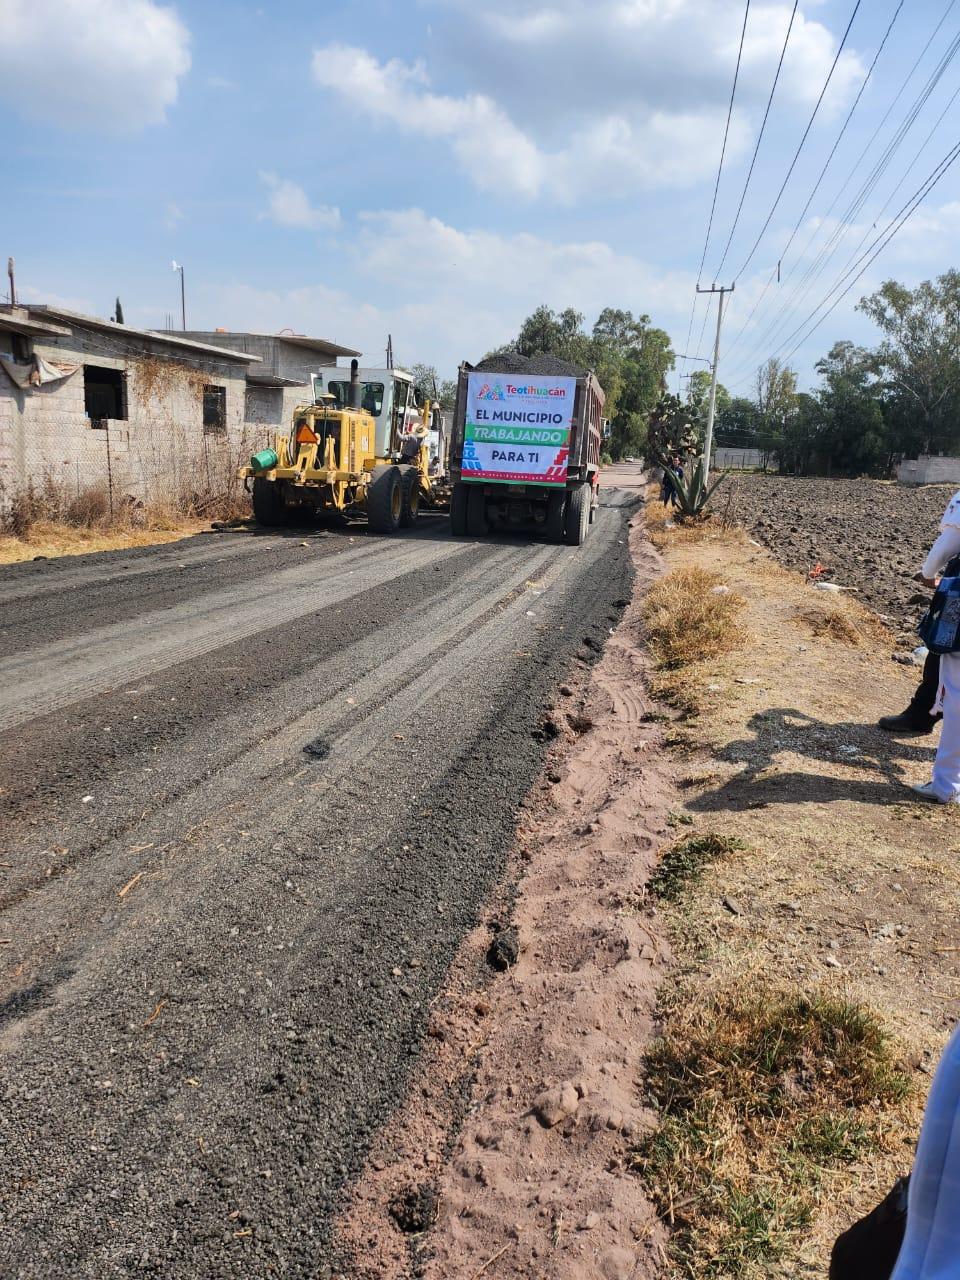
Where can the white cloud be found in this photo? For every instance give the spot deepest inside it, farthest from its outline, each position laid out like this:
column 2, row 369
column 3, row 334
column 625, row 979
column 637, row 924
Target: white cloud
column 113, row 65
column 485, row 141
column 533, row 116
column 421, row 269
column 290, row 206
column 666, row 55
column 612, row 151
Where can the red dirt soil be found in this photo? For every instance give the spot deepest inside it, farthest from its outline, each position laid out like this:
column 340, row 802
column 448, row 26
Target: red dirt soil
column 537, row 1184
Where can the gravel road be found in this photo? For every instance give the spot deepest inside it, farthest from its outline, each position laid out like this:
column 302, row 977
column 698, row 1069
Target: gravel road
column 253, row 788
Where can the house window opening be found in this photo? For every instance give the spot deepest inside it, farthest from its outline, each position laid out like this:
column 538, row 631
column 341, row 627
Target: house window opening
column 215, row 410
column 104, row 393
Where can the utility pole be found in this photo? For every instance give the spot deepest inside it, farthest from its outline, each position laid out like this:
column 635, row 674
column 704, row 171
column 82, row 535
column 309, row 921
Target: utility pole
column 708, row 442
column 177, row 266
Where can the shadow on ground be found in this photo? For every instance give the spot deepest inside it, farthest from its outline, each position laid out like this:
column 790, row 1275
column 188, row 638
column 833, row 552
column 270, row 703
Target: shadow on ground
column 785, row 729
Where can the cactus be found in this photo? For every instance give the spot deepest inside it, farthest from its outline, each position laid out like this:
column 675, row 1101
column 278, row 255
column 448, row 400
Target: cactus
column 671, row 434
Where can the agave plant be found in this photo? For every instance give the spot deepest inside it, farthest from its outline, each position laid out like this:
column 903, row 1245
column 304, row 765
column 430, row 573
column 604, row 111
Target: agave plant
column 671, row 435
column 693, row 494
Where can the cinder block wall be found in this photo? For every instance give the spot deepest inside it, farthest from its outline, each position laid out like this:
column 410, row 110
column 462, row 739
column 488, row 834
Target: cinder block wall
column 929, row 470
column 160, row 452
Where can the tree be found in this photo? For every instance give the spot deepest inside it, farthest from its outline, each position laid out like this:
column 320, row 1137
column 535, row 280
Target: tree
column 698, row 399
column 852, row 425
column 776, row 400
column 430, row 386
column 738, row 424
column 918, row 361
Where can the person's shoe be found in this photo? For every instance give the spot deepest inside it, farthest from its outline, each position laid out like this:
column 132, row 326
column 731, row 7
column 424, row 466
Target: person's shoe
column 908, row 722
column 926, row 792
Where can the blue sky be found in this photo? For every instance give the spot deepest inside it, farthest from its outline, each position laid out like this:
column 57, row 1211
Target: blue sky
column 435, row 170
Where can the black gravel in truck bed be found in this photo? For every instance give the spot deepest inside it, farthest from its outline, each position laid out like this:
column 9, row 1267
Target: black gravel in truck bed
column 545, row 365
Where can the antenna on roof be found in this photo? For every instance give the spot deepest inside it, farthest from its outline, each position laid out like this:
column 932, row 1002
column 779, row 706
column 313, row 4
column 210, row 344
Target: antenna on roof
column 389, row 351
column 11, row 270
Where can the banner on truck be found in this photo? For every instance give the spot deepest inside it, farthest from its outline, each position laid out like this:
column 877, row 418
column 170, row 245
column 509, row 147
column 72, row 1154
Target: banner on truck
column 518, row 428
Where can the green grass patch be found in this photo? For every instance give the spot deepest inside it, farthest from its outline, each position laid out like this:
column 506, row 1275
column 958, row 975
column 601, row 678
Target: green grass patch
column 760, row 1097
column 685, row 862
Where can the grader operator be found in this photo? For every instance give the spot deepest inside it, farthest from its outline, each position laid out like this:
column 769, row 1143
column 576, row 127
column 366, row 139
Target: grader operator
column 363, row 448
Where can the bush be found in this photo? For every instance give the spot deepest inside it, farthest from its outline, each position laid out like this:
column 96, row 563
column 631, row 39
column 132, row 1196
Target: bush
column 687, row 622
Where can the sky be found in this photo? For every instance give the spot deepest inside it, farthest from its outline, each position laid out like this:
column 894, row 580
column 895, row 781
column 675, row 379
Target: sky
column 436, row 169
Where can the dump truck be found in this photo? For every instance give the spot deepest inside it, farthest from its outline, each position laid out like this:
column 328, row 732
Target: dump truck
column 368, row 446
column 525, row 447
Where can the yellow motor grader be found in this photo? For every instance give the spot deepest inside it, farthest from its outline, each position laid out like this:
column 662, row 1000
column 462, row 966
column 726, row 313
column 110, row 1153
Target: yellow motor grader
column 361, row 449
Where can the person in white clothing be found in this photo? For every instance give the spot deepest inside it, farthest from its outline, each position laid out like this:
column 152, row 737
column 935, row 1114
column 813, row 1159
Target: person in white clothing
column 931, row 1244
column 944, row 787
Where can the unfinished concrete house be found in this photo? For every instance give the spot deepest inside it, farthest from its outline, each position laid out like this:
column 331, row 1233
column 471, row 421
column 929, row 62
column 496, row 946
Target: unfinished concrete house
column 283, row 378
column 86, row 403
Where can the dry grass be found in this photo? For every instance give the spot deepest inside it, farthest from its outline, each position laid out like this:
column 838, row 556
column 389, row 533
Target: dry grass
column 50, row 540
column 837, row 883
column 688, row 621
column 665, row 526
column 762, row 1097
column 46, row 520
column 832, row 622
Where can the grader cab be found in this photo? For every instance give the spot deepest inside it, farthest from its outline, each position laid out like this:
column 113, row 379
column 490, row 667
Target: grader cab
column 363, row 448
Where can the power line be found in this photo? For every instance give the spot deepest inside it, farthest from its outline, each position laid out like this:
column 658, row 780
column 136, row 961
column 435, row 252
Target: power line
column 876, row 248
column 723, row 149
column 716, row 185
column 816, row 187
column 796, row 157
column 816, row 268
column 763, row 125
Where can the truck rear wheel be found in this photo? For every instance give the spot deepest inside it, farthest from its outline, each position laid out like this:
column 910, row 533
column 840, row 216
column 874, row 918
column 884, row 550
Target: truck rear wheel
column 477, row 526
column 556, row 508
column 269, row 506
column 458, row 509
column 410, row 497
column 577, row 519
column 384, row 500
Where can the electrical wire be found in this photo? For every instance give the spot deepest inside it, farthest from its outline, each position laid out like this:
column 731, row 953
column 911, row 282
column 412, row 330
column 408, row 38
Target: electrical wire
column 775, row 273
column 816, row 268
column 756, row 149
column 800, row 146
column 880, row 242
column 716, row 185
column 813, row 273
column 723, row 149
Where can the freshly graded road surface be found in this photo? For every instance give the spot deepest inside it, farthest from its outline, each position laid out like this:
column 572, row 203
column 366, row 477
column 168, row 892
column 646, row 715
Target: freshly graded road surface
column 243, row 780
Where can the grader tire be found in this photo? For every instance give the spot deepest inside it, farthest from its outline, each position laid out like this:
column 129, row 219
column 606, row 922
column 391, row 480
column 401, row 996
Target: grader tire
column 410, row 497
column 577, row 519
column 556, row 508
column 458, row 509
column 269, row 506
column 385, row 500
column 477, row 524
